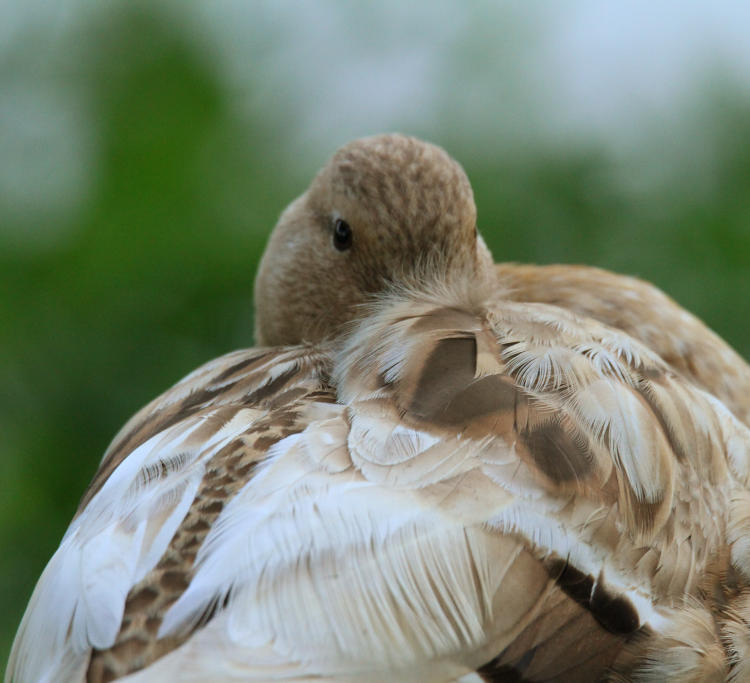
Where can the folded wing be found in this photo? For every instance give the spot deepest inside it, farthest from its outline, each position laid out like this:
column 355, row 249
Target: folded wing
column 128, row 553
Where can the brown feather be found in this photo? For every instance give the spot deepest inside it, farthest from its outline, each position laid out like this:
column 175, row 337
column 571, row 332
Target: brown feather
column 243, row 384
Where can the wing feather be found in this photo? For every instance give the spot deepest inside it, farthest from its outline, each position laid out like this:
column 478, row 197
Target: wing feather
column 643, row 312
column 147, row 484
column 613, row 462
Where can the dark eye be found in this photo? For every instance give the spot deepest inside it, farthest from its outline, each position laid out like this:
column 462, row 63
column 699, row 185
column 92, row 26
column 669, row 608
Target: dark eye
column 342, row 235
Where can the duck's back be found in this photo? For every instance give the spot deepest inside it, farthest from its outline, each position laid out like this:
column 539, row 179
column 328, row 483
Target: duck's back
column 454, row 492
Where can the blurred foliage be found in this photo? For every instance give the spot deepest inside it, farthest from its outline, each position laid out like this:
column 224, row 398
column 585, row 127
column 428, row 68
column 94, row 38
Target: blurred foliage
column 156, row 275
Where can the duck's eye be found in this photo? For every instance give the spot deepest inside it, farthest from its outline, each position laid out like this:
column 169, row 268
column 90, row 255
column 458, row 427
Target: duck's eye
column 342, row 235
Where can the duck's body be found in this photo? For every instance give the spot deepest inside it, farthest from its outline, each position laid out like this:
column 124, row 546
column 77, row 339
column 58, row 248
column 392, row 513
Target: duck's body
column 440, row 482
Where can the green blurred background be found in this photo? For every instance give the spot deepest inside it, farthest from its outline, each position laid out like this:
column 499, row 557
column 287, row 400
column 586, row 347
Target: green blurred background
column 146, row 150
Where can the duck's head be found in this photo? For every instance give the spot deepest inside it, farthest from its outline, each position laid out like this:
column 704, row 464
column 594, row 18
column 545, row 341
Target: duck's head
column 384, row 210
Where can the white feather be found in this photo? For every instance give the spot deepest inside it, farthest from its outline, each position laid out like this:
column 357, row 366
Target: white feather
column 112, row 544
column 636, row 442
column 321, row 564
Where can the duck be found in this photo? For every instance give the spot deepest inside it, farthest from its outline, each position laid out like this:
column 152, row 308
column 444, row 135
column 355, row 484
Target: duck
column 431, row 467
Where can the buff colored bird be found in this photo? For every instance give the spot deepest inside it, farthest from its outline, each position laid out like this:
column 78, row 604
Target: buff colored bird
column 435, row 468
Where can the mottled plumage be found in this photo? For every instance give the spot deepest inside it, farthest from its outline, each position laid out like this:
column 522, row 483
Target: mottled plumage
column 437, row 469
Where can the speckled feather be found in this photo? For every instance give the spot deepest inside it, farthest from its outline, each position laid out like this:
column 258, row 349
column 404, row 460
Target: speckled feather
column 453, row 471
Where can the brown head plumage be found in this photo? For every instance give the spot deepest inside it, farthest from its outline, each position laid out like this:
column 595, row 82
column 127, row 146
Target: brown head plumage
column 384, row 209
